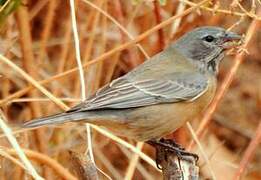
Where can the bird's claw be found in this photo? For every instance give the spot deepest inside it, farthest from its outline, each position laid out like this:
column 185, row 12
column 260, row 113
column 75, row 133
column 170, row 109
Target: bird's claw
column 165, row 146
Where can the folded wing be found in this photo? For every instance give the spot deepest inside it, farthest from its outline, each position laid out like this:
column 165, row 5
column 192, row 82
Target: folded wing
column 123, row 93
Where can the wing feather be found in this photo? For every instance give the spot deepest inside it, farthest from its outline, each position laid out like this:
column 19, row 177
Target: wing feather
column 124, row 93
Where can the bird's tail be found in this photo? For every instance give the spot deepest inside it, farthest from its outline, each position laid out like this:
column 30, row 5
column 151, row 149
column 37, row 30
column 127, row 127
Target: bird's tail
column 56, row 119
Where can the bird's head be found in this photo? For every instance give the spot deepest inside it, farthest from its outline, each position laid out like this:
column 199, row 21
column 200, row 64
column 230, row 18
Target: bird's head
column 205, row 46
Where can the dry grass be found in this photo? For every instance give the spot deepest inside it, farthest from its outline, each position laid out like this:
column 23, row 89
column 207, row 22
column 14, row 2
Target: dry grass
column 42, row 53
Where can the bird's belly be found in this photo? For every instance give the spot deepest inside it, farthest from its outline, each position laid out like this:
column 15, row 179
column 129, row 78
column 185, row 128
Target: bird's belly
column 160, row 121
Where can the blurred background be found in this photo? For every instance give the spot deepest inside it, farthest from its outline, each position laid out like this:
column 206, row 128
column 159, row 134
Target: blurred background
column 37, row 36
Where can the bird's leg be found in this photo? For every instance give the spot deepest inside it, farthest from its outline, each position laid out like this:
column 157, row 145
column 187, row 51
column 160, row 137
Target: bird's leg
column 169, row 145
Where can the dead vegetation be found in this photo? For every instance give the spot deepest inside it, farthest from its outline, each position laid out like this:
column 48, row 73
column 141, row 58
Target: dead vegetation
column 39, row 77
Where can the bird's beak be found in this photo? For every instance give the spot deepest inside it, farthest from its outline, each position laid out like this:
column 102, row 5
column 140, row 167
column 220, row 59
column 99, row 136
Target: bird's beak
column 231, row 39
column 231, row 36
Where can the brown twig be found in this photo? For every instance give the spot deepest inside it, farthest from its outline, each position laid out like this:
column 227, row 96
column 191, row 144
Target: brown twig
column 83, row 166
column 131, row 52
column 44, row 159
column 90, row 82
column 63, row 57
column 249, row 153
column 29, row 66
column 158, row 16
column 47, row 30
column 37, row 8
column 223, row 11
column 42, row 54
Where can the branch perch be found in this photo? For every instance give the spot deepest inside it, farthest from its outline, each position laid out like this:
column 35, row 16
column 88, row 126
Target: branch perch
column 174, row 168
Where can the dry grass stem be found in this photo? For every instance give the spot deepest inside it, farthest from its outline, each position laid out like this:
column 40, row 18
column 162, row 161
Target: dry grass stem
column 42, row 158
column 8, row 132
column 249, row 153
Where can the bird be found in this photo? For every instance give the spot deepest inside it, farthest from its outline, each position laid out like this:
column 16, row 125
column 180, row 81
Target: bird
column 160, row 95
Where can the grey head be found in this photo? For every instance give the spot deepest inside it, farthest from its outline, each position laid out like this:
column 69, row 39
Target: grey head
column 205, row 46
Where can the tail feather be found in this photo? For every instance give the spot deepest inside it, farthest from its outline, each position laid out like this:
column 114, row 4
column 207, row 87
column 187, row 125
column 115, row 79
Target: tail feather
column 55, row 119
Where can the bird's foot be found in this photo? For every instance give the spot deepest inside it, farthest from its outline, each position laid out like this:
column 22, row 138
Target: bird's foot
column 165, row 146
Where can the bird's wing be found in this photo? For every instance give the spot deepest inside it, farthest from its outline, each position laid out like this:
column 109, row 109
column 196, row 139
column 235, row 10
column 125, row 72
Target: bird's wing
column 123, row 93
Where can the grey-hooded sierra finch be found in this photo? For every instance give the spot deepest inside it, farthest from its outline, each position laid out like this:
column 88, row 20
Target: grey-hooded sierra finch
column 160, row 95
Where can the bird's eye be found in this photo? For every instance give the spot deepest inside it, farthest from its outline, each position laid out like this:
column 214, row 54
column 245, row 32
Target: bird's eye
column 209, row 38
